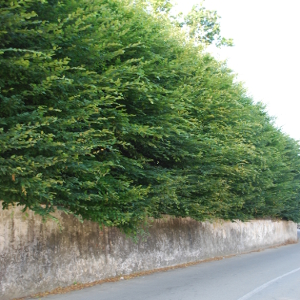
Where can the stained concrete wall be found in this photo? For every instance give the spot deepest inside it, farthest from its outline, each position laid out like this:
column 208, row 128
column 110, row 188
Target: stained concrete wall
column 37, row 256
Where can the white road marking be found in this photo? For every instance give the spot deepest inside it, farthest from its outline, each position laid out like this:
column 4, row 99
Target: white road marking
column 260, row 288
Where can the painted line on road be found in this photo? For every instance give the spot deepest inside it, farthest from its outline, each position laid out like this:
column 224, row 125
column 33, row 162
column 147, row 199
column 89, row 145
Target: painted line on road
column 247, row 296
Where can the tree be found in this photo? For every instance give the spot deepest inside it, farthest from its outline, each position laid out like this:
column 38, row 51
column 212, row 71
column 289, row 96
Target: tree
column 109, row 112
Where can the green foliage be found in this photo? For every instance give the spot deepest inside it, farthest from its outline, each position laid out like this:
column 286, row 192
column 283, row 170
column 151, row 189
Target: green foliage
column 109, row 112
column 204, row 26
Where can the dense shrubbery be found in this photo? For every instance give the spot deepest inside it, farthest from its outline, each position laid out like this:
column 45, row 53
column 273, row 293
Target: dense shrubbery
column 110, row 112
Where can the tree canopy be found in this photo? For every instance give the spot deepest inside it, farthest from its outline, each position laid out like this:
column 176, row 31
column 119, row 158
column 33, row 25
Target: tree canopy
column 111, row 112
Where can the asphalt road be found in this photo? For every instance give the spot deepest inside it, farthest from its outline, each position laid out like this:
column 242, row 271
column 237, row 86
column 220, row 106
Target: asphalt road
column 269, row 274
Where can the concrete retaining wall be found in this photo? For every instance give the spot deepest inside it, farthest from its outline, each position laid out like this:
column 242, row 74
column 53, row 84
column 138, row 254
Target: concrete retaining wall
column 37, row 256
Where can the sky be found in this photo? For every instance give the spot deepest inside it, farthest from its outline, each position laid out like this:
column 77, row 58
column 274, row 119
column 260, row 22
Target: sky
column 266, row 52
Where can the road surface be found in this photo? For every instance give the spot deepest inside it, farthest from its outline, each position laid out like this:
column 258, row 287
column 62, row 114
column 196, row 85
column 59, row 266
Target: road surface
column 269, row 274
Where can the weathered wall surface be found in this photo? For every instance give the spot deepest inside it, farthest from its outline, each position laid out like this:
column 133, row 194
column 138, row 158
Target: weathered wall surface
column 37, row 256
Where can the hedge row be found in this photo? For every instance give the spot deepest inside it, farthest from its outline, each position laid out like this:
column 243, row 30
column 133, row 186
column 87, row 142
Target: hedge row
column 111, row 112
